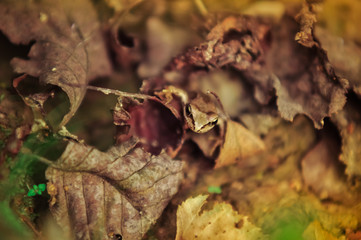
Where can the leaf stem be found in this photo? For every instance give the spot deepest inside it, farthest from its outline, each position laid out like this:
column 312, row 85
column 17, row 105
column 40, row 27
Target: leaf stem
column 27, row 151
column 118, row 93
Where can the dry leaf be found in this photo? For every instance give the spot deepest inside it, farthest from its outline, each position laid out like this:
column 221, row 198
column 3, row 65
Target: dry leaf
column 236, row 41
column 322, row 163
column 68, row 49
column 344, row 55
column 217, row 223
column 260, row 124
column 163, row 42
column 152, row 122
column 229, row 88
column 307, row 19
column 348, row 123
column 238, row 143
column 315, row 231
column 304, row 81
column 101, row 194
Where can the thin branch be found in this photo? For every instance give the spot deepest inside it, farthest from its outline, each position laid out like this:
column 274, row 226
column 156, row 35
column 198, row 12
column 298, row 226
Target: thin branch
column 118, row 93
column 27, row 151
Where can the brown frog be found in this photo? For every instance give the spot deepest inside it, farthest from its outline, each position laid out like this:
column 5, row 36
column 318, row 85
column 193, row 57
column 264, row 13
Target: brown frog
column 201, row 112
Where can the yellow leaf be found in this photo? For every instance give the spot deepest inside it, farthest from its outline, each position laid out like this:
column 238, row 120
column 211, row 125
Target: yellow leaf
column 239, row 143
column 315, row 231
column 217, row 223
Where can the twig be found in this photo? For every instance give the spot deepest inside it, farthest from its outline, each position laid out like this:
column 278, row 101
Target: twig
column 118, row 93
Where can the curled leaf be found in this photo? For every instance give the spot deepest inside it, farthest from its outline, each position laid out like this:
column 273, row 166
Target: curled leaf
column 348, row 123
column 238, row 143
column 68, row 49
column 303, row 79
column 152, row 122
column 344, row 55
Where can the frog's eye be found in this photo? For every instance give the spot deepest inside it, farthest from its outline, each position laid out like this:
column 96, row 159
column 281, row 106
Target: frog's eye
column 188, row 110
column 214, row 122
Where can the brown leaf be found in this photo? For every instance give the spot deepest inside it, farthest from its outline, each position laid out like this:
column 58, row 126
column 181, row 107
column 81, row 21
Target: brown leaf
column 236, row 41
column 164, row 42
column 230, row 90
column 304, row 81
column 306, row 18
column 260, row 124
column 323, row 172
column 153, row 123
column 102, row 194
column 344, row 55
column 239, row 143
column 68, row 49
column 348, row 123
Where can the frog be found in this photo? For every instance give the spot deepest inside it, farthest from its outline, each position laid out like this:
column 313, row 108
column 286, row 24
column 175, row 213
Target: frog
column 201, row 113
column 200, row 110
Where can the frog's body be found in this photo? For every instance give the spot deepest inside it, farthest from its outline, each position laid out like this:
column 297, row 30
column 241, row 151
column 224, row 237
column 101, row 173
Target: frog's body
column 200, row 110
column 201, row 113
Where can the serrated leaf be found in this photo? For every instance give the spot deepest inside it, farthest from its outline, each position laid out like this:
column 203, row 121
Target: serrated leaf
column 121, row 191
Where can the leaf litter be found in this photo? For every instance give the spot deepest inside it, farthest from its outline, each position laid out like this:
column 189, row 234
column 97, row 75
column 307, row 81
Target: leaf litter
column 262, row 106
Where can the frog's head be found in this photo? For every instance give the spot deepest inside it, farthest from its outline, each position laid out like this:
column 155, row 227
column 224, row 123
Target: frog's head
column 201, row 113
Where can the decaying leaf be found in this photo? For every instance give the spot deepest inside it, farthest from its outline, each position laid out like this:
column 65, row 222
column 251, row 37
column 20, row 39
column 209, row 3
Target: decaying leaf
column 101, row 194
column 344, row 55
column 229, row 88
column 323, row 172
column 236, row 41
column 260, row 124
column 306, row 18
column 152, row 122
column 68, row 49
column 348, row 123
column 238, row 143
column 315, row 231
column 304, row 82
column 164, row 42
column 217, row 223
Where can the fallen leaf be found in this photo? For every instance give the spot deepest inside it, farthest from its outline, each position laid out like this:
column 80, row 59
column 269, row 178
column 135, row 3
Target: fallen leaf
column 306, row 18
column 229, row 88
column 217, row 223
column 163, row 42
column 236, row 42
column 208, row 142
column 239, row 143
column 101, row 194
column 260, row 124
column 303, row 80
column 348, row 123
column 315, row 231
column 344, row 55
column 354, row 235
column 153, row 123
column 68, row 49
column 322, row 163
